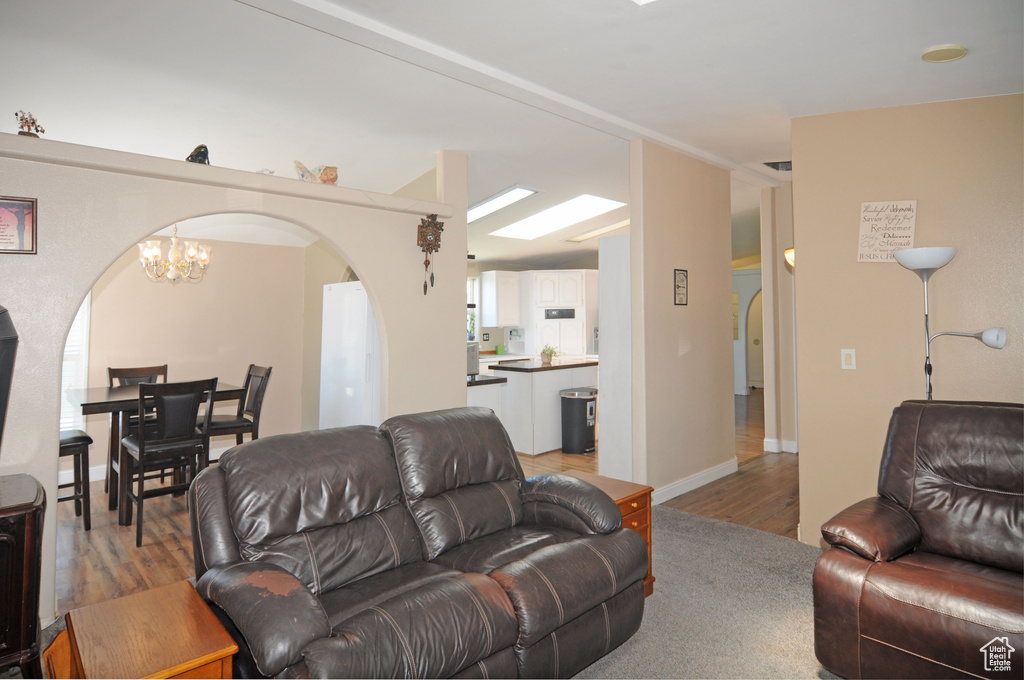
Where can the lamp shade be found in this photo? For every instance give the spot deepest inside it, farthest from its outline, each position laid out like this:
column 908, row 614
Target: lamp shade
column 993, row 337
column 925, row 260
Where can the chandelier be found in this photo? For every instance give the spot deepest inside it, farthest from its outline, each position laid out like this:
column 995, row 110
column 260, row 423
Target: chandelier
column 189, row 263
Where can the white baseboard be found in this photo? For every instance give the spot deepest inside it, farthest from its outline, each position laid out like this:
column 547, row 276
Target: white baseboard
column 783, row 446
column 695, row 481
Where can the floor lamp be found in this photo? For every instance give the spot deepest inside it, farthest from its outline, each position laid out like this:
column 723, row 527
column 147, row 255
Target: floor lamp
column 925, row 262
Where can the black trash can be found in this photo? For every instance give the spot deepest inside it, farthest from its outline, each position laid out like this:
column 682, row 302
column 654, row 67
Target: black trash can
column 579, row 419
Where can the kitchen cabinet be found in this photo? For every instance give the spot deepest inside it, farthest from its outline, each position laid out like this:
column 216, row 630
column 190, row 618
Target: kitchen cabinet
column 567, row 336
column 499, row 299
column 531, row 406
column 558, row 289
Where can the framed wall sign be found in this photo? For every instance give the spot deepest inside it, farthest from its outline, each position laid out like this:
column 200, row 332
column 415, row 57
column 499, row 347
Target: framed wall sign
column 680, row 284
column 17, row 225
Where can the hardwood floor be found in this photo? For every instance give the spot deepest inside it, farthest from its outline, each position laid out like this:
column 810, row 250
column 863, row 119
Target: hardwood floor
column 101, row 564
column 763, row 493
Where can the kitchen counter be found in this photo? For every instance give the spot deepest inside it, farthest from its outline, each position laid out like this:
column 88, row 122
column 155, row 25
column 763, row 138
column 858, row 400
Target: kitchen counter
column 477, row 380
column 536, row 366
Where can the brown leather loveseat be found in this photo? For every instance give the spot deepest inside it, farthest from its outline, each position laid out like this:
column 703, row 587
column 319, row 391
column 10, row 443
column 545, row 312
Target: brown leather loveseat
column 414, row 550
column 925, row 580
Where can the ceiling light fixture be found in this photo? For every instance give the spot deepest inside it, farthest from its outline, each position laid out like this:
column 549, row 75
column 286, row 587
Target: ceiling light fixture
column 938, row 54
column 642, row 2
column 190, row 265
column 558, row 217
column 599, row 232
column 498, row 201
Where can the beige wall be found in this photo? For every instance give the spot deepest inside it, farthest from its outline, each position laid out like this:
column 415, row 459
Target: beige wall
column 683, row 425
column 215, row 328
column 95, row 204
column 780, row 401
column 323, row 266
column 962, row 162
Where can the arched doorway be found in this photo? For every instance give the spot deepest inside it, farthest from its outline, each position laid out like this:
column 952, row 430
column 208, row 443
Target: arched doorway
column 260, row 302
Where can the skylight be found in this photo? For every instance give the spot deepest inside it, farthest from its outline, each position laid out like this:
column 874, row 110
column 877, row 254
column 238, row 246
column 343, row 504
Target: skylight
column 599, row 232
column 497, row 202
column 558, row 217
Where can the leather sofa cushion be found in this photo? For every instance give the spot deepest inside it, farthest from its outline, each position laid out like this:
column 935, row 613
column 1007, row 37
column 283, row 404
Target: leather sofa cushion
column 344, row 603
column 333, row 517
column 554, row 585
column 959, row 469
column 489, row 552
column 429, row 632
column 460, row 474
column 916, row 601
column 567, row 650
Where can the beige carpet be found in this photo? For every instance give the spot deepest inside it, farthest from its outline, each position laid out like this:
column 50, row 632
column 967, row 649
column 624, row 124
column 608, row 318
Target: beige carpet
column 728, row 602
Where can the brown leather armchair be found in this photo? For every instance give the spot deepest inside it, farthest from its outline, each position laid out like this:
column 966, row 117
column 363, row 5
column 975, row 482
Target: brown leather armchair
column 925, row 580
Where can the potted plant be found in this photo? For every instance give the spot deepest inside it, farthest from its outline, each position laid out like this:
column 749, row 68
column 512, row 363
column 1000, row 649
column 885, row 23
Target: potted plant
column 547, row 353
column 471, row 328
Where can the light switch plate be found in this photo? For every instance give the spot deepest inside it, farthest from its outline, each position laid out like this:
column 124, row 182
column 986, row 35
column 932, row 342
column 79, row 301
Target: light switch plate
column 848, row 359
column 487, row 336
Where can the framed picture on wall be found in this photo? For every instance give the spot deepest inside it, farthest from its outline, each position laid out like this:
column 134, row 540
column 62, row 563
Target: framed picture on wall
column 680, row 284
column 17, row 225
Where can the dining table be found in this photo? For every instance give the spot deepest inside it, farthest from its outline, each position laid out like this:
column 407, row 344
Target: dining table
column 121, row 403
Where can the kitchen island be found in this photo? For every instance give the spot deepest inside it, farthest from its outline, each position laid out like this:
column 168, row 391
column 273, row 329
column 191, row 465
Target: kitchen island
column 485, row 390
column 531, row 408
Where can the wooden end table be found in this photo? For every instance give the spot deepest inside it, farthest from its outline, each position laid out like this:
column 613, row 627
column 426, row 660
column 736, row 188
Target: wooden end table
column 634, row 501
column 166, row 632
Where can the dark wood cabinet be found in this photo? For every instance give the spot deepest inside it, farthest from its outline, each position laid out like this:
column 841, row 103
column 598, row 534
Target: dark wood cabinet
column 22, row 502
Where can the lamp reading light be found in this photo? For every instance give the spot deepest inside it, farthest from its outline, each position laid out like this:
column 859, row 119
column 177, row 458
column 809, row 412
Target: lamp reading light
column 925, row 262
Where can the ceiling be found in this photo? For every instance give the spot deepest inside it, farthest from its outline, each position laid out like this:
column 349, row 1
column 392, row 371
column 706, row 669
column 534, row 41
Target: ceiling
column 539, row 93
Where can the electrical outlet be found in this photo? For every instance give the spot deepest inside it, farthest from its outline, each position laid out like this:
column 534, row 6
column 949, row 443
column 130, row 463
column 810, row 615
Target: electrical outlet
column 487, row 336
column 848, row 359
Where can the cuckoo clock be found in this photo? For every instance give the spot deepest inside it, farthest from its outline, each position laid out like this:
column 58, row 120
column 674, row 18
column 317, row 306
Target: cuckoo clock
column 428, row 238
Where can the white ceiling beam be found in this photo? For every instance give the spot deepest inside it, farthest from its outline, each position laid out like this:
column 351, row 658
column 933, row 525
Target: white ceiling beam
column 344, row 24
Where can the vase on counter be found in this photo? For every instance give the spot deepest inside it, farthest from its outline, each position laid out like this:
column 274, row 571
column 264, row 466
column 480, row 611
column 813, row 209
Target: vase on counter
column 545, row 359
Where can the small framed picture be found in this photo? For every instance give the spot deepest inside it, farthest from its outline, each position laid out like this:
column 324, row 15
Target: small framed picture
column 17, row 225
column 680, row 283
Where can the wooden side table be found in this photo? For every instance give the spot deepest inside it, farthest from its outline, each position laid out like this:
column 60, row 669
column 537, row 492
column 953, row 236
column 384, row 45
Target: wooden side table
column 166, row 632
column 634, row 501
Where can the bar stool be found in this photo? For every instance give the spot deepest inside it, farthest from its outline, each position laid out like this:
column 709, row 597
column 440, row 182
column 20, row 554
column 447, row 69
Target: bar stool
column 76, row 443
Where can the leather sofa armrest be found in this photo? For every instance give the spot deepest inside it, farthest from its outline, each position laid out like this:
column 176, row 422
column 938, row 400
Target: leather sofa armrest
column 585, row 501
column 875, row 528
column 275, row 612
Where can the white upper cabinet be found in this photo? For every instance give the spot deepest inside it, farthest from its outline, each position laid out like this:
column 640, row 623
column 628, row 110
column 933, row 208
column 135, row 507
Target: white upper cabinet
column 499, row 299
column 545, row 289
column 570, row 289
column 558, row 289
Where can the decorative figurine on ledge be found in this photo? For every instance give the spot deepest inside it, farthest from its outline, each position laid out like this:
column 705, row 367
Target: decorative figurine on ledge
column 27, row 125
column 200, row 155
column 326, row 174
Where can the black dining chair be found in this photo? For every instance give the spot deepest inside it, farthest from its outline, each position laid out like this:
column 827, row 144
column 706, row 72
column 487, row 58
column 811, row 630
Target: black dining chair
column 175, row 441
column 248, row 417
column 76, row 443
column 135, row 375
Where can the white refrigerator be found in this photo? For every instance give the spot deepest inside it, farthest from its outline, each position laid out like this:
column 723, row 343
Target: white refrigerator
column 349, row 358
